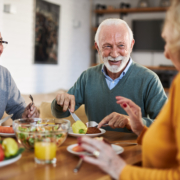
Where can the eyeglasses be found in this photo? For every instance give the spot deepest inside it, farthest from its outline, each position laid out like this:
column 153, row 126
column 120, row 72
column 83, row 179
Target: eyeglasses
column 3, row 43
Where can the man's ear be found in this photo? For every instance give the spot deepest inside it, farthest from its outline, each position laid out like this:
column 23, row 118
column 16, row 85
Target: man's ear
column 132, row 44
column 96, row 46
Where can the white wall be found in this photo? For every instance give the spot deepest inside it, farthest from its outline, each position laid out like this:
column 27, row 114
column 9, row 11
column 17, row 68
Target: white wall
column 74, row 46
column 1, row 13
column 144, row 58
column 74, row 43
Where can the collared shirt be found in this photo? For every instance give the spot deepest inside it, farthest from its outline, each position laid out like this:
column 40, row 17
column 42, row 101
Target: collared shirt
column 112, row 83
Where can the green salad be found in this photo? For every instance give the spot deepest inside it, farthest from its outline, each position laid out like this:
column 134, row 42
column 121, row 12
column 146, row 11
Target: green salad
column 26, row 135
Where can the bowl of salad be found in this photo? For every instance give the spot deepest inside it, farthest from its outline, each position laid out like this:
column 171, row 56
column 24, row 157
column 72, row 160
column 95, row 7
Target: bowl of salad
column 27, row 129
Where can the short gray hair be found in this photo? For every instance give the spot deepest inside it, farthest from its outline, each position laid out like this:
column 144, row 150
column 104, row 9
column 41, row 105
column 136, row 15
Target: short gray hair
column 109, row 22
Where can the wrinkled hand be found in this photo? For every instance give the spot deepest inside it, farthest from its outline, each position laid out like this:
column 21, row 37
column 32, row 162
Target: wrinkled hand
column 31, row 111
column 107, row 160
column 66, row 101
column 134, row 113
column 116, row 120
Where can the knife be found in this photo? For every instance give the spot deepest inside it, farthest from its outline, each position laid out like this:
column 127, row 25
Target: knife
column 75, row 117
column 6, row 118
column 126, row 143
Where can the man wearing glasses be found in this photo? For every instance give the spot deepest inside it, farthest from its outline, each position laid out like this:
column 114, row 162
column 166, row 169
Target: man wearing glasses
column 10, row 97
column 3, row 44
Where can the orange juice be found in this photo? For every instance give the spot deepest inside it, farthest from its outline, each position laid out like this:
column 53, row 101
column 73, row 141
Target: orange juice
column 45, row 150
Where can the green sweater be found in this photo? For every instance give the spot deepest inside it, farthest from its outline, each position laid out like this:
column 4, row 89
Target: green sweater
column 139, row 84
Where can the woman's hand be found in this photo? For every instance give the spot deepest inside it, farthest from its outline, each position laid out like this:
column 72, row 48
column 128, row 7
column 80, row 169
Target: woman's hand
column 134, row 113
column 107, row 160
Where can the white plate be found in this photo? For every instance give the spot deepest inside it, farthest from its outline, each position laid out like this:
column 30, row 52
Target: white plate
column 10, row 161
column 70, row 132
column 7, row 134
column 117, row 149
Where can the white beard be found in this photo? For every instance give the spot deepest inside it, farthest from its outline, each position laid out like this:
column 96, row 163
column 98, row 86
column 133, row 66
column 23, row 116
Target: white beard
column 115, row 68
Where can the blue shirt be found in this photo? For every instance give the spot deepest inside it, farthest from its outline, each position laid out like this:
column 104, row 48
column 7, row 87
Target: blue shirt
column 112, row 83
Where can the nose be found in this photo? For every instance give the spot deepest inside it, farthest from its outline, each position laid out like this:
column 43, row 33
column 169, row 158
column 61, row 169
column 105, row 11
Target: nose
column 114, row 53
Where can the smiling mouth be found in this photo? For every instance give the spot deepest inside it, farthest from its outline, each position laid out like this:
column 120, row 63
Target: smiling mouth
column 114, row 62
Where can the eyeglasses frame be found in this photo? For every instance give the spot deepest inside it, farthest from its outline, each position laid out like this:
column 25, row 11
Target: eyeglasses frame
column 5, row 42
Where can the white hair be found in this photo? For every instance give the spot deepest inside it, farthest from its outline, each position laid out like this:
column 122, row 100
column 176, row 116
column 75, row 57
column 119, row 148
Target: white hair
column 109, row 22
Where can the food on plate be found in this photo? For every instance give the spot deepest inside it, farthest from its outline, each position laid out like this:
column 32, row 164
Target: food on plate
column 1, row 153
column 77, row 148
column 4, row 129
column 9, row 150
column 80, row 149
column 93, row 130
column 26, row 135
column 10, row 147
column 79, row 127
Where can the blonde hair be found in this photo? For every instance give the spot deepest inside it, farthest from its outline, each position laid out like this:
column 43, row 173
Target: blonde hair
column 109, row 22
column 173, row 19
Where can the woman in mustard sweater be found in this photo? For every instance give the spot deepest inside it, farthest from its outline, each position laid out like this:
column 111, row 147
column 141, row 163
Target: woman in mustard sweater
column 161, row 142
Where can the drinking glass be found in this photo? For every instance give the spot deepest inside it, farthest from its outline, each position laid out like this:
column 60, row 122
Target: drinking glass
column 45, row 148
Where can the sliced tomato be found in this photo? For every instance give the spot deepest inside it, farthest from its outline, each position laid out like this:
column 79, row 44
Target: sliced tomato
column 1, row 153
column 78, row 149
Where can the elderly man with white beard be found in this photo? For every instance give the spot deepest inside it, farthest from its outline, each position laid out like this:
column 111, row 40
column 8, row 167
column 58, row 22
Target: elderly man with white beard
column 119, row 75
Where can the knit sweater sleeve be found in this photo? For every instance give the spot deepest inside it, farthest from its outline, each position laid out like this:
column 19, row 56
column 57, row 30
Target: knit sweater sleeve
column 15, row 103
column 154, row 100
column 138, row 173
column 78, row 91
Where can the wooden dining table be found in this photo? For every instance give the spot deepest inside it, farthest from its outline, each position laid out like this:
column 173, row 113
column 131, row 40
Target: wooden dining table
column 26, row 168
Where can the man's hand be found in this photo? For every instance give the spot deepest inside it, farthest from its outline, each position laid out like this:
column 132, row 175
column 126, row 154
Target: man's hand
column 116, row 120
column 66, row 101
column 31, row 111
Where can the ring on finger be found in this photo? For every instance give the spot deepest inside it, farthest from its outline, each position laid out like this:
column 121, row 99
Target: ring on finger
column 96, row 153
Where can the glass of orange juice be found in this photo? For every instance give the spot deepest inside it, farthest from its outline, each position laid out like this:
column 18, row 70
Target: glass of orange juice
column 45, row 148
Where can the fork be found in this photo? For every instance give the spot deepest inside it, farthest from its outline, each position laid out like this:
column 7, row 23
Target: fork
column 94, row 124
column 76, row 169
column 31, row 100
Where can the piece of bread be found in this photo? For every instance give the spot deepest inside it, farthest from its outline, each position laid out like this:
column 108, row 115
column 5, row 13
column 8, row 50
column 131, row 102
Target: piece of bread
column 93, row 130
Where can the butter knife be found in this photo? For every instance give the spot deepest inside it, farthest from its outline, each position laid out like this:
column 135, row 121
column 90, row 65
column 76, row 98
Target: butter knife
column 6, row 118
column 126, row 143
column 75, row 117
